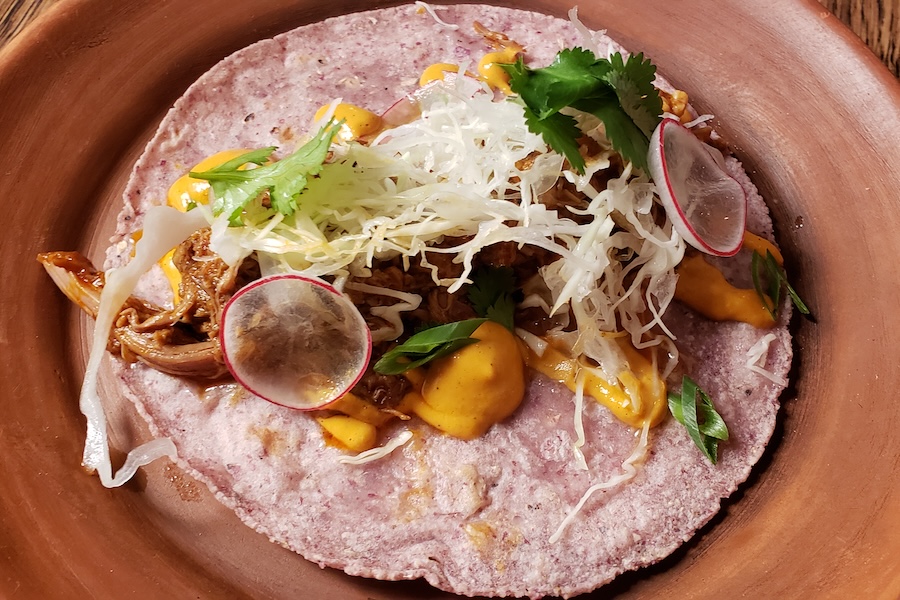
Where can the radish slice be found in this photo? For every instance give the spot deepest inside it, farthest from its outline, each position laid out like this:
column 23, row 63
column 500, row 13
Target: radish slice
column 295, row 341
column 706, row 205
column 409, row 108
column 405, row 110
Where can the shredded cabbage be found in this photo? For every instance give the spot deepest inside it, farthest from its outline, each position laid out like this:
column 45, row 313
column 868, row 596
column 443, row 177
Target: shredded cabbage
column 629, row 471
column 756, row 359
column 432, row 11
column 377, row 453
column 164, row 228
column 470, row 170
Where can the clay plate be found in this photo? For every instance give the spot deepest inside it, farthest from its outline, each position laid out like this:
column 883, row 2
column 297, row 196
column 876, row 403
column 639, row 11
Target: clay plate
column 810, row 110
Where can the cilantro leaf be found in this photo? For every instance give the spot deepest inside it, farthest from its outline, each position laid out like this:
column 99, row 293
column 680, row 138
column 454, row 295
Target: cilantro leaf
column 633, row 82
column 492, row 295
column 428, row 345
column 704, row 425
column 617, row 91
column 574, row 74
column 626, row 137
column 777, row 279
column 234, row 188
column 561, row 133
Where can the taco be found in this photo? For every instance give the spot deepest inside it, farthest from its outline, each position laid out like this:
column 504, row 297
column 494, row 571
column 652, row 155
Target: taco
column 555, row 495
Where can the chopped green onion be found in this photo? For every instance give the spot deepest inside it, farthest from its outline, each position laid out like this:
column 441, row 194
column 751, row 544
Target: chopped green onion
column 776, row 278
column 705, row 426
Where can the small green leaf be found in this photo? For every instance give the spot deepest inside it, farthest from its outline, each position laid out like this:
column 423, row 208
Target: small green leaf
column 704, row 425
column 777, row 278
column 619, row 92
column 633, row 82
column 285, row 179
column 625, row 136
column 561, row 133
column 574, row 74
column 492, row 295
column 427, row 345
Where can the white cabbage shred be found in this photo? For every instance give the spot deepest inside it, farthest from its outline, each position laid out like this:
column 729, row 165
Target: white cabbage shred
column 432, row 11
column 470, row 171
column 164, row 228
column 756, row 359
column 470, row 168
column 378, row 453
column 629, row 471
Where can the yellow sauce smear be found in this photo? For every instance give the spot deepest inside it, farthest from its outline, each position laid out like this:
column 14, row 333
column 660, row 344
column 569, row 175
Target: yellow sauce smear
column 638, row 396
column 436, row 72
column 357, row 122
column 348, row 433
column 356, row 426
column 184, row 193
column 760, row 245
column 703, row 288
column 490, row 70
column 463, row 394
column 492, row 73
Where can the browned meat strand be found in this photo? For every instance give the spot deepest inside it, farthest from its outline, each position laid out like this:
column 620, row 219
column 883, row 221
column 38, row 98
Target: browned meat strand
column 181, row 341
column 384, row 391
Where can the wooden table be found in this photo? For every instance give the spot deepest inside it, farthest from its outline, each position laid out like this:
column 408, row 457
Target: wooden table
column 876, row 22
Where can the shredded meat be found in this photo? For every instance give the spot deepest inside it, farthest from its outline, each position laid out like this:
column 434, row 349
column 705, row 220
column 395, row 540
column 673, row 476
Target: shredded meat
column 181, row 341
column 384, row 391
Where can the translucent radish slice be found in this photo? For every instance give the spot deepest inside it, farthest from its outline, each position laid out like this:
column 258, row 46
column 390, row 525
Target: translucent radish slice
column 405, row 110
column 409, row 108
column 706, row 205
column 294, row 341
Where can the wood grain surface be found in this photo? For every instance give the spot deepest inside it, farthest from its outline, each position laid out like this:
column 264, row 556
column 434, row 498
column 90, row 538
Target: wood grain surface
column 828, row 528
column 876, row 22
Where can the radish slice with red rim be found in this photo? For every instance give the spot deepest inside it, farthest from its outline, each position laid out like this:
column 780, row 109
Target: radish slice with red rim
column 295, row 341
column 409, row 108
column 706, row 205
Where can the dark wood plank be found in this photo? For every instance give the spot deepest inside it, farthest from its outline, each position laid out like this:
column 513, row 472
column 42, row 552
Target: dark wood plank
column 876, row 22
column 16, row 14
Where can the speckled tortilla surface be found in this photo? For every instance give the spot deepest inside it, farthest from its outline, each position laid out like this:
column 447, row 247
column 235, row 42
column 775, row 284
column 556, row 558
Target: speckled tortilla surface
column 472, row 517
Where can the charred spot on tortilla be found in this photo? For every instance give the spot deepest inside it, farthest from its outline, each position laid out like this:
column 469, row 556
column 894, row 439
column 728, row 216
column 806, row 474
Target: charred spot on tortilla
column 462, row 205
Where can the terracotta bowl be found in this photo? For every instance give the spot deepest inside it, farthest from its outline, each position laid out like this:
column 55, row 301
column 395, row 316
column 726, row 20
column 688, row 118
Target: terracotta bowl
column 812, row 113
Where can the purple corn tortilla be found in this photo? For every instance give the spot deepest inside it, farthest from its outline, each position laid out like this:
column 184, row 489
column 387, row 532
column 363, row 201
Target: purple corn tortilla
column 471, row 517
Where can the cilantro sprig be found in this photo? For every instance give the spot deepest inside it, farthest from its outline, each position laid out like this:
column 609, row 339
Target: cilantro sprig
column 777, row 279
column 704, row 425
column 619, row 92
column 428, row 345
column 234, row 187
column 492, row 295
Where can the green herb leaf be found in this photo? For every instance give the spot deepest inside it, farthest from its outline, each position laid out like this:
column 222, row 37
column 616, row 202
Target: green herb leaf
column 492, row 295
column 633, row 82
column 234, row 188
column 625, row 136
column 704, row 425
column 561, row 133
column 617, row 91
column 428, row 345
column 575, row 74
column 777, row 278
